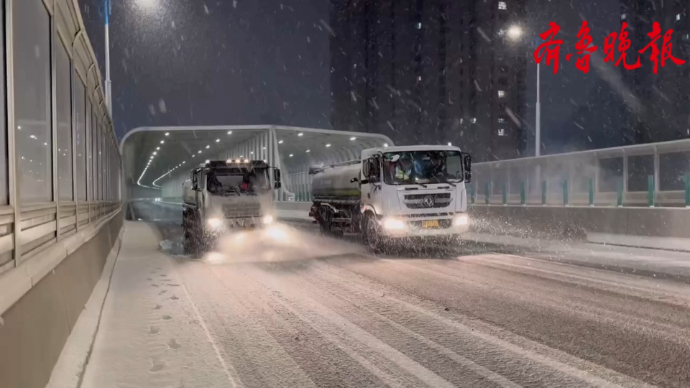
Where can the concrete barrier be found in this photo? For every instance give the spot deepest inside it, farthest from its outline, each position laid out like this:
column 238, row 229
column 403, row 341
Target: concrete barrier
column 659, row 228
column 35, row 328
column 635, row 226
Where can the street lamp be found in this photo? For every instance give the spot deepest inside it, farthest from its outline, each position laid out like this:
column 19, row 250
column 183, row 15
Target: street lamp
column 514, row 33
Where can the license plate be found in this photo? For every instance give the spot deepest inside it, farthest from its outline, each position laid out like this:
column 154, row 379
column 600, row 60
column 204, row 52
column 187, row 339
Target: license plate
column 430, row 224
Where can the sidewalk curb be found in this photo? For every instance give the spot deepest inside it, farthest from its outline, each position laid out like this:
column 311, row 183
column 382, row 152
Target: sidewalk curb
column 71, row 365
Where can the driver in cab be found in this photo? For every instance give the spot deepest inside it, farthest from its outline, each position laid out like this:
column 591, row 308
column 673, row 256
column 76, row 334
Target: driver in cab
column 405, row 168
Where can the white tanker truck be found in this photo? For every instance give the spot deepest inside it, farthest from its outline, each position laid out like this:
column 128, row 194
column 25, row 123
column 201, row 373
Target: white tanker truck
column 222, row 195
column 394, row 193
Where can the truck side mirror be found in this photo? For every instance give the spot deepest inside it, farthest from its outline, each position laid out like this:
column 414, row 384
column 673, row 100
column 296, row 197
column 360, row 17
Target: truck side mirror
column 276, row 178
column 467, row 163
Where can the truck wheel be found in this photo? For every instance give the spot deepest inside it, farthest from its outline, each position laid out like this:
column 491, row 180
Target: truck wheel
column 373, row 237
column 193, row 239
column 326, row 224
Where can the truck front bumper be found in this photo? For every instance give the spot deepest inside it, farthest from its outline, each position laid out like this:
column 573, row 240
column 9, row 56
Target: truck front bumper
column 398, row 227
column 217, row 225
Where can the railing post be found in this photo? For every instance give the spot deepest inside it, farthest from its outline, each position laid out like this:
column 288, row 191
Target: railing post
column 486, row 193
column 523, row 193
column 619, row 192
column 650, row 190
column 565, row 192
column 591, row 192
column 505, row 193
column 687, row 190
column 543, row 192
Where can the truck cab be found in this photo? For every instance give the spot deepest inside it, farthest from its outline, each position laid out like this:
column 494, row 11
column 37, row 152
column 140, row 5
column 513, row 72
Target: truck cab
column 224, row 195
column 415, row 191
column 395, row 193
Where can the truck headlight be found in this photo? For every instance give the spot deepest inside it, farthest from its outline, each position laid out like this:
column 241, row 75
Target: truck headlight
column 215, row 223
column 267, row 220
column 393, row 224
column 461, row 220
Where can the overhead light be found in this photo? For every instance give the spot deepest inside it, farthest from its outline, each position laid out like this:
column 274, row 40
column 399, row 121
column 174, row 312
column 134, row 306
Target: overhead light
column 154, row 152
column 229, row 132
column 241, row 156
column 217, row 140
column 450, row 144
column 228, row 161
column 300, row 134
column 167, row 134
column 328, row 145
column 199, row 152
column 290, row 155
column 207, row 161
column 308, row 151
column 251, row 153
column 193, row 155
column 353, row 138
column 280, row 142
column 208, row 146
column 162, row 141
column 32, row 136
column 19, row 127
column 263, row 148
column 184, row 161
column 157, row 148
column 385, row 145
column 246, row 160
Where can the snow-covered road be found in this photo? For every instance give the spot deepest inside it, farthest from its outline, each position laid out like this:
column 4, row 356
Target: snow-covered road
column 298, row 310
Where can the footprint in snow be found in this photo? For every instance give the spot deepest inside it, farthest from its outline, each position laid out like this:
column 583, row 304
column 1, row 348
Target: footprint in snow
column 162, row 292
column 154, row 330
column 157, row 365
column 167, row 317
column 173, row 344
column 149, row 279
column 173, row 285
column 174, row 297
column 157, row 307
column 154, row 285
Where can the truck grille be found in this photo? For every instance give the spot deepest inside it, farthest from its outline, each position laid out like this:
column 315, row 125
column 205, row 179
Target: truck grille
column 244, row 210
column 427, row 201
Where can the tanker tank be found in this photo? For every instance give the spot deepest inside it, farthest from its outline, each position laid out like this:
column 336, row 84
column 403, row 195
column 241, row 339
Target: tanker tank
column 334, row 183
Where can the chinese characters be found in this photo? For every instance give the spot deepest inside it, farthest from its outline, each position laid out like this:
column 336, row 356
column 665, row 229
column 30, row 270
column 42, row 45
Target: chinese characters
column 550, row 48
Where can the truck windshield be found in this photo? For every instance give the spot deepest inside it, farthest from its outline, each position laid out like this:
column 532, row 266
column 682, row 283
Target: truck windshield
column 236, row 181
column 422, row 167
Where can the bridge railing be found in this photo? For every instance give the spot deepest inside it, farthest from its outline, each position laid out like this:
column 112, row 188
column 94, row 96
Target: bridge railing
column 656, row 174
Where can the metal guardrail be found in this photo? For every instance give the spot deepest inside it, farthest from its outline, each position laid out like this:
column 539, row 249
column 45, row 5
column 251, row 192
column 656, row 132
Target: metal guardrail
column 655, row 174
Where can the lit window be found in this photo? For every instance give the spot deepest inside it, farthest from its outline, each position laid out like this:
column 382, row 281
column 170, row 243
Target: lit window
column 419, row 25
column 473, row 120
column 501, row 93
column 501, row 120
column 677, row 17
column 501, row 132
column 502, row 5
column 623, row 17
column 419, row 78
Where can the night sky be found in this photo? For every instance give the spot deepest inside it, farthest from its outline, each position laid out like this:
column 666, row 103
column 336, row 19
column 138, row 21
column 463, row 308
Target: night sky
column 234, row 62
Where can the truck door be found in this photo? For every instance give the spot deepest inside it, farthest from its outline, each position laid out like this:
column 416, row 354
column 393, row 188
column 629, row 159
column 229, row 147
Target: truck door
column 371, row 190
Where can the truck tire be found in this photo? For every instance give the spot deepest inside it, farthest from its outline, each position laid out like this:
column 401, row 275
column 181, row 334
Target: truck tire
column 326, row 224
column 372, row 235
column 193, row 243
